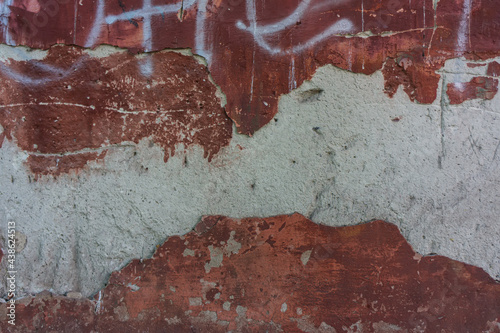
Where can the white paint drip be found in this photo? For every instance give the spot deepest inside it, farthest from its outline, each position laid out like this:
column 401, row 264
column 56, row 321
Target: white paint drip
column 4, row 21
column 362, row 16
column 201, row 31
column 349, row 59
column 423, row 9
column 97, row 26
column 251, row 9
column 463, row 29
column 98, row 304
column 146, row 28
column 74, row 23
column 292, row 82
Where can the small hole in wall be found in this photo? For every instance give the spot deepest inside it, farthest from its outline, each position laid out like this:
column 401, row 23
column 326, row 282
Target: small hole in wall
column 275, row 120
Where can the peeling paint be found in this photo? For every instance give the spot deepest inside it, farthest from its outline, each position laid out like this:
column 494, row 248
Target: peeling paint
column 106, row 104
column 258, row 52
column 478, row 87
column 305, row 257
column 368, row 282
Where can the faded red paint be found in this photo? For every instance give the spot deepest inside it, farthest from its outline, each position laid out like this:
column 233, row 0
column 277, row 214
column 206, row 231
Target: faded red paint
column 254, row 78
column 493, row 69
column 478, row 87
column 419, row 81
column 474, row 65
column 280, row 274
column 101, row 103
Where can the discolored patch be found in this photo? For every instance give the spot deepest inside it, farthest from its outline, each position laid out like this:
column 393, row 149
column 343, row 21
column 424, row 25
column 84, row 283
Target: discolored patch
column 92, row 105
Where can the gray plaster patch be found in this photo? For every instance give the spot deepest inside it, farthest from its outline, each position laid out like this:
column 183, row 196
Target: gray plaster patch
column 305, row 257
column 195, row 301
column 232, row 246
column 334, row 156
column 216, row 257
column 20, row 240
column 241, row 311
column 174, row 320
column 74, row 294
column 122, row 313
column 305, row 324
column 226, row 306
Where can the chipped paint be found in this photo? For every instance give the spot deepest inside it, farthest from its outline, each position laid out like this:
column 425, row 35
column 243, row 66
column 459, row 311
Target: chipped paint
column 477, row 88
column 107, row 104
column 258, row 52
column 359, row 278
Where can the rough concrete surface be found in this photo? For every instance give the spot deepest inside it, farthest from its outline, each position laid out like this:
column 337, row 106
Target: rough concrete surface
column 339, row 151
column 278, row 274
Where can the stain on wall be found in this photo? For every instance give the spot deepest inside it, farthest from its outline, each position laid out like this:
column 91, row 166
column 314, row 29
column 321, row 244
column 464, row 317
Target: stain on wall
column 259, row 50
column 279, row 274
column 89, row 105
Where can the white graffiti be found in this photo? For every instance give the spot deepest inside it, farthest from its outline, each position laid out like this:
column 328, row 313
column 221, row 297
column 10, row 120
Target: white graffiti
column 52, row 73
column 201, row 46
column 146, row 13
column 463, row 34
column 259, row 33
column 4, row 20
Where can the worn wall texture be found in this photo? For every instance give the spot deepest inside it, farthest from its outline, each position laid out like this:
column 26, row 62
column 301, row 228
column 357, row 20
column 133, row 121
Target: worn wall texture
column 122, row 123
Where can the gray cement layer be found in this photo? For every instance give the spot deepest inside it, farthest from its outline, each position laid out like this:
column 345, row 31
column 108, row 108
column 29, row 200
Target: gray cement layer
column 333, row 153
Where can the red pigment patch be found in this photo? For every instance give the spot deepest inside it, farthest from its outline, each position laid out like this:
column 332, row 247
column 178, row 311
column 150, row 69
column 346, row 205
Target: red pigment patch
column 67, row 118
column 258, row 50
column 493, row 69
column 473, row 65
column 279, row 274
column 478, row 87
column 419, row 82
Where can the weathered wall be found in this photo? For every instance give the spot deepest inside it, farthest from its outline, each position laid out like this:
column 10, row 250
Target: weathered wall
column 280, row 274
column 357, row 110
